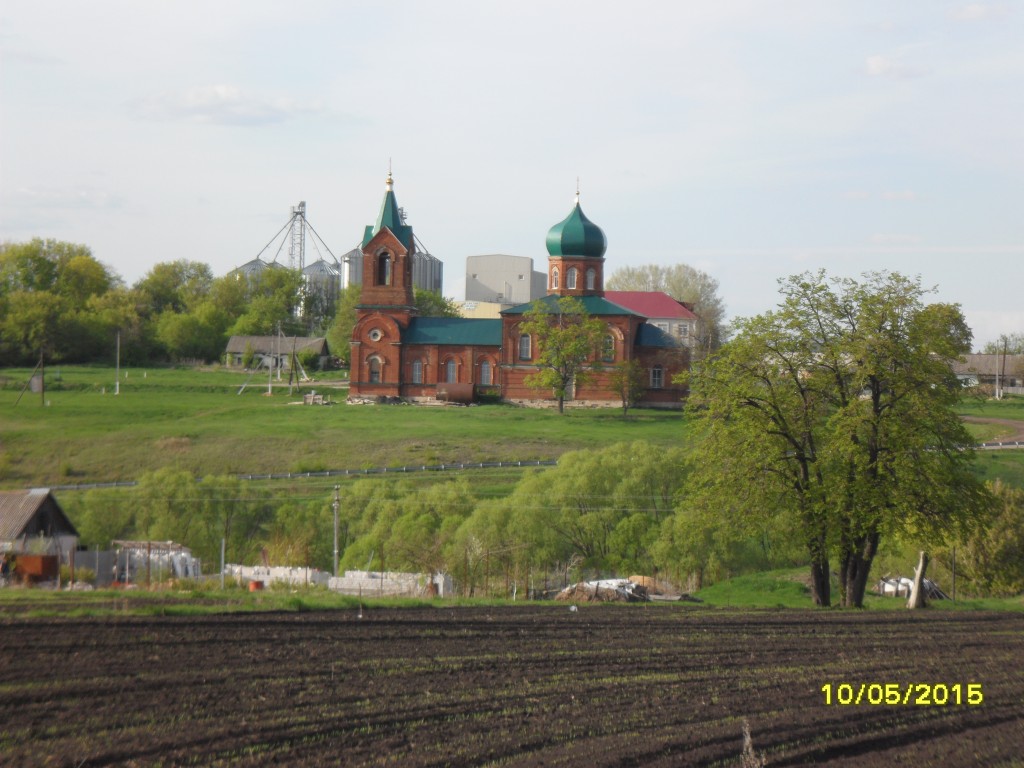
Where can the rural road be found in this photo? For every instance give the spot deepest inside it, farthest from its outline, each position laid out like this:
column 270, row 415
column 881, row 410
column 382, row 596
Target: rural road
column 1014, row 429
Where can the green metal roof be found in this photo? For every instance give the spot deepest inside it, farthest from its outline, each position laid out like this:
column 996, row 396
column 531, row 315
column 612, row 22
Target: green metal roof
column 576, row 235
column 389, row 217
column 453, row 330
column 648, row 335
column 594, row 305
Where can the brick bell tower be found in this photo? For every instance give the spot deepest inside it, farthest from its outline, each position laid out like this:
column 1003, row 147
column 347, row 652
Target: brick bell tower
column 386, row 302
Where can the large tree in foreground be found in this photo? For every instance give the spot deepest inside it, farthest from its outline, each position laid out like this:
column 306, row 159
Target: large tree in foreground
column 836, row 411
column 567, row 340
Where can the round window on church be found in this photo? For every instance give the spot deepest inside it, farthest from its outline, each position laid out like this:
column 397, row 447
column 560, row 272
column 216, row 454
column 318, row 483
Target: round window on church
column 376, row 335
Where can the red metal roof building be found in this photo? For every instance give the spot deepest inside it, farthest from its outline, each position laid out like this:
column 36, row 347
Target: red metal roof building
column 661, row 310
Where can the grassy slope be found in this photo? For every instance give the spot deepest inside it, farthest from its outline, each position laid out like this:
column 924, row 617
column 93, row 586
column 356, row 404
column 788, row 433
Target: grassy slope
column 197, row 421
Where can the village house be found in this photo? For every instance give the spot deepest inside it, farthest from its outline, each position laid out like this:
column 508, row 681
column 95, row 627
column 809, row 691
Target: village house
column 274, row 352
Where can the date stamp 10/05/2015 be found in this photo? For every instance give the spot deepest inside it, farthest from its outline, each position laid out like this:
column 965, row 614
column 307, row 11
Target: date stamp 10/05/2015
column 900, row 694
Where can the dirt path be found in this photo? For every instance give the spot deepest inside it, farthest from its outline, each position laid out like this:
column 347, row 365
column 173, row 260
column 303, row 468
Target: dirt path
column 1015, row 429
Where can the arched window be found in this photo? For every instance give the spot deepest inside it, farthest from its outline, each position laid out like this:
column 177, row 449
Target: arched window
column 374, row 363
column 485, row 373
column 591, row 279
column 417, row 371
column 524, row 347
column 657, row 377
column 554, row 278
column 384, row 269
column 608, row 350
column 570, row 278
column 451, row 371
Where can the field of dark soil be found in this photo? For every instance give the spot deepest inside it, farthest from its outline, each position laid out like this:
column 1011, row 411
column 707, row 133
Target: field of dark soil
column 601, row 686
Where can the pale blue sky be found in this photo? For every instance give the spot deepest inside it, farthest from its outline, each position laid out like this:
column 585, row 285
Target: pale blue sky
column 751, row 139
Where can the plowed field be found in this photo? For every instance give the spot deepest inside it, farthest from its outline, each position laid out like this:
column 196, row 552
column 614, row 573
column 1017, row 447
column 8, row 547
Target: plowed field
column 602, row 686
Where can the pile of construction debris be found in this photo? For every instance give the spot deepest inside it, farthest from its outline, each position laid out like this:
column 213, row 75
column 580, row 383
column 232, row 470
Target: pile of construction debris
column 635, row 589
column 604, row 591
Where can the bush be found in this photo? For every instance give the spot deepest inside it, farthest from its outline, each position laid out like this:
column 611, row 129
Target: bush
column 84, row 575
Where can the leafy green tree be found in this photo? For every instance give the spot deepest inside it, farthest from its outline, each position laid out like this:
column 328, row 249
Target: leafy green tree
column 368, row 509
column 566, row 341
column 697, row 289
column 114, row 312
column 485, row 544
column 33, row 322
column 605, row 507
column 27, row 266
column 100, row 517
column 237, row 512
column 80, row 277
column 1010, row 344
column 248, row 355
column 190, row 335
column 272, row 303
column 836, row 413
column 46, row 287
column 628, row 379
column 301, row 535
column 991, row 557
column 339, row 335
column 166, row 507
column 66, row 269
column 433, row 304
column 174, row 285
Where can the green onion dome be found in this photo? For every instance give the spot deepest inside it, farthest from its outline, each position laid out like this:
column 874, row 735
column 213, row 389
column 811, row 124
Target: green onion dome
column 576, row 235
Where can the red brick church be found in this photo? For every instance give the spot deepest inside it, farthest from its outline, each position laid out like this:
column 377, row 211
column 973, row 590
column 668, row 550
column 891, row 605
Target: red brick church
column 398, row 354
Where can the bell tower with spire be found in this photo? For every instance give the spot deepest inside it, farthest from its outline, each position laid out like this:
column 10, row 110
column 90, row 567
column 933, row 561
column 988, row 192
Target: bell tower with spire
column 388, row 248
column 386, row 304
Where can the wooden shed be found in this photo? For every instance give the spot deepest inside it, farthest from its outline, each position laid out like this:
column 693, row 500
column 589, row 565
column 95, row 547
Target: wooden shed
column 33, row 517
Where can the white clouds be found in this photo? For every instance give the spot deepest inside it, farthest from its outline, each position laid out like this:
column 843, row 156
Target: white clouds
column 890, row 65
column 978, row 12
column 740, row 127
column 892, row 239
column 78, row 198
column 219, row 105
column 900, row 195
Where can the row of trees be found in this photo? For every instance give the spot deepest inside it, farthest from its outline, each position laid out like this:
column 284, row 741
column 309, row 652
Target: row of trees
column 622, row 509
column 56, row 298
column 601, row 510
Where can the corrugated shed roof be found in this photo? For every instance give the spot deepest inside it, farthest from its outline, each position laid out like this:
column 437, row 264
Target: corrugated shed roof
column 18, row 508
column 651, row 304
column 453, row 330
column 990, row 364
column 269, row 345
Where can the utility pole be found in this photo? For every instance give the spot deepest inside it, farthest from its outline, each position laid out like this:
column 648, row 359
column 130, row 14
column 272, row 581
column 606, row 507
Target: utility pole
column 337, row 504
